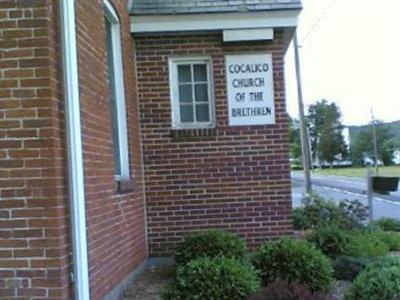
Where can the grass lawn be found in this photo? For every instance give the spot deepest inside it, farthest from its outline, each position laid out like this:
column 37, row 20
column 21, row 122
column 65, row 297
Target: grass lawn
column 358, row 172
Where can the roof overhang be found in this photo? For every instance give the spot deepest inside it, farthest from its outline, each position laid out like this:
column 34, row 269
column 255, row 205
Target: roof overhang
column 214, row 21
column 285, row 19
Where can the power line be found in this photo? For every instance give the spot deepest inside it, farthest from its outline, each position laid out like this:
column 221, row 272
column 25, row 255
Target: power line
column 317, row 22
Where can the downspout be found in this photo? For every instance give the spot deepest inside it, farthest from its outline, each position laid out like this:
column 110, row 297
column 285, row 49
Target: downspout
column 74, row 146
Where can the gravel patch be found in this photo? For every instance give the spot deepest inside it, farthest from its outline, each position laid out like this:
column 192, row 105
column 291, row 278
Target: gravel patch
column 340, row 289
column 149, row 284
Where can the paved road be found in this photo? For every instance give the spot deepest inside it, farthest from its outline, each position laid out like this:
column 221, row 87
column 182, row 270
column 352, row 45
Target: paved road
column 349, row 184
column 340, row 188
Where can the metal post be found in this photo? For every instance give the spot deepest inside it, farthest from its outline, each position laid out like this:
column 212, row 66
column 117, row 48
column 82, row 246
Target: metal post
column 303, row 131
column 375, row 144
column 309, row 149
column 370, row 195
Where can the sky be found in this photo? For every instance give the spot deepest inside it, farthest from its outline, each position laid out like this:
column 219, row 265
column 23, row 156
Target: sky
column 350, row 54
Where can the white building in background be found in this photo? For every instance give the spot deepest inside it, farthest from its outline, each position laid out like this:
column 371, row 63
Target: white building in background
column 346, row 136
column 396, row 157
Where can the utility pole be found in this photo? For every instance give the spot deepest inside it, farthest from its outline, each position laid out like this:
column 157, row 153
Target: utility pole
column 375, row 143
column 303, row 130
column 370, row 195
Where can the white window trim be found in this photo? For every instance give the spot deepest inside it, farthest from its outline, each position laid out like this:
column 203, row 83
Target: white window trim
column 112, row 17
column 174, row 91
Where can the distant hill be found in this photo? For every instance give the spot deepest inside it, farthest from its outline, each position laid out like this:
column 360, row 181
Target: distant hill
column 394, row 128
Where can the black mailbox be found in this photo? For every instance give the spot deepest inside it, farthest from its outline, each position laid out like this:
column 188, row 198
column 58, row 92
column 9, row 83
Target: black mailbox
column 386, row 184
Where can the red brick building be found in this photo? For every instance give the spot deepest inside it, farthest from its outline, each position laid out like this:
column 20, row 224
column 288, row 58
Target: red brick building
column 120, row 132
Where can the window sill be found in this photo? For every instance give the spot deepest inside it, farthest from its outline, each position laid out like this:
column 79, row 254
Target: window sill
column 124, row 186
column 181, row 134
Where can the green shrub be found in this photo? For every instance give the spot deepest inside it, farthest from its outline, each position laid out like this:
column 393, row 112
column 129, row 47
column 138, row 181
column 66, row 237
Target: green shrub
column 347, row 267
column 366, row 244
column 300, row 219
column 330, row 239
column 353, row 213
column 283, row 290
column 210, row 243
column 349, row 214
column 388, row 224
column 294, row 261
column 392, row 239
column 217, row 278
column 318, row 211
column 384, row 262
column 375, row 284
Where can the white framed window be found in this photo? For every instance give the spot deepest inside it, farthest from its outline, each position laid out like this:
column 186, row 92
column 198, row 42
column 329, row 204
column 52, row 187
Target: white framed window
column 116, row 83
column 192, row 97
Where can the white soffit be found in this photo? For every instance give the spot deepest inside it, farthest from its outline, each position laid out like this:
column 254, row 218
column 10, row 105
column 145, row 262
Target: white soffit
column 214, row 21
column 258, row 34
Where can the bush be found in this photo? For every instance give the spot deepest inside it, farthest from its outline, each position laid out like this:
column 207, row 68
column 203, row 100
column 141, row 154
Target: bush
column 330, row 239
column 376, row 283
column 354, row 214
column 366, row 244
column 384, row 262
column 388, row 224
column 392, row 239
column 217, row 278
column 319, row 212
column 294, row 261
column 210, row 243
column 300, row 219
column 283, row 290
column 347, row 268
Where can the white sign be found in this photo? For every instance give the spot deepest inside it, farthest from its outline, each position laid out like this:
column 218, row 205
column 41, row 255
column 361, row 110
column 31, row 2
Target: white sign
column 250, row 89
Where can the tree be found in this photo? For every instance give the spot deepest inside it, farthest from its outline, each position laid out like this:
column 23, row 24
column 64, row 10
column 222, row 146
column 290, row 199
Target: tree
column 294, row 138
column 362, row 143
column 325, row 126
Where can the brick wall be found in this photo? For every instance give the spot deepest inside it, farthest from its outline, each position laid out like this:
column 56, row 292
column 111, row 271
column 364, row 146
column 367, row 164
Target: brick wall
column 116, row 223
column 236, row 178
column 35, row 250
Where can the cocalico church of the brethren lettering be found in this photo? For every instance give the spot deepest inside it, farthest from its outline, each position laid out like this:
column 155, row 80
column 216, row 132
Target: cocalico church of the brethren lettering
column 251, row 111
column 249, row 79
